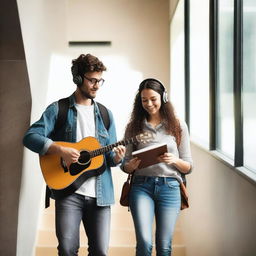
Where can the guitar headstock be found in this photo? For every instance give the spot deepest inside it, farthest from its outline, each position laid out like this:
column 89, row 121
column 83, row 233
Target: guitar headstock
column 145, row 137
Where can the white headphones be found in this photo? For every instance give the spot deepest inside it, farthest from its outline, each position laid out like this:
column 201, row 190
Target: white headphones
column 164, row 96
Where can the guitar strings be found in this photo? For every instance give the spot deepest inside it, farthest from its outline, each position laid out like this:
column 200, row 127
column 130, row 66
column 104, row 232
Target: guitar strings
column 105, row 149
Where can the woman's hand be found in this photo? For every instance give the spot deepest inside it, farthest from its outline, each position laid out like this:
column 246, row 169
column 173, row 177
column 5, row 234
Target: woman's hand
column 119, row 153
column 132, row 165
column 168, row 158
column 171, row 159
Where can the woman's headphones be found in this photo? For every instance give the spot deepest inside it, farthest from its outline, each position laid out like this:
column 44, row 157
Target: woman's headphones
column 164, row 95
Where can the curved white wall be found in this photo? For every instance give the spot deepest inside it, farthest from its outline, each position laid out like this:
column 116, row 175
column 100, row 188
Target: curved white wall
column 40, row 22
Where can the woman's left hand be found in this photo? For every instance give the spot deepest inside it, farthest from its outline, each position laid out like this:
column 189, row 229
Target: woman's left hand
column 119, row 153
column 171, row 159
column 168, row 158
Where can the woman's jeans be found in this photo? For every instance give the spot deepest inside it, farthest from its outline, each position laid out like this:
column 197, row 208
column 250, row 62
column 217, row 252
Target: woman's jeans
column 70, row 211
column 157, row 197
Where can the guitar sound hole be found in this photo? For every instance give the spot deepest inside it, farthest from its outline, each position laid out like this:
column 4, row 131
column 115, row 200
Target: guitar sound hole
column 84, row 158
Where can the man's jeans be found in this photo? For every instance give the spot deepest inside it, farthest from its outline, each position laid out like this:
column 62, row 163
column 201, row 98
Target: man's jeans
column 159, row 197
column 70, row 211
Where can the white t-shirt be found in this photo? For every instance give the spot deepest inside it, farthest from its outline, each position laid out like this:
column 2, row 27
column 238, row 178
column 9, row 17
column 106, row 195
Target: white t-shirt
column 85, row 128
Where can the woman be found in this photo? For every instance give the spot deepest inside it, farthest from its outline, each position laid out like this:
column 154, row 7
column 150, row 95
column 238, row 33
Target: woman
column 155, row 189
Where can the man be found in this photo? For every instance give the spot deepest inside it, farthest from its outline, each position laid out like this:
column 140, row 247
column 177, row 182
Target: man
column 90, row 203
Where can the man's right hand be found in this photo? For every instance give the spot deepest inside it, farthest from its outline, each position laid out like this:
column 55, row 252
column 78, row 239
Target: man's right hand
column 69, row 155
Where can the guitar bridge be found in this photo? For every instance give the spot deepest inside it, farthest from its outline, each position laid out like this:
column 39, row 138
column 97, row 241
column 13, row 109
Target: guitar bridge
column 63, row 165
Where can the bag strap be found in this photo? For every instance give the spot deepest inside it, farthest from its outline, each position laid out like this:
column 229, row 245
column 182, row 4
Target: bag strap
column 130, row 177
column 63, row 110
column 104, row 115
column 183, row 176
column 62, row 113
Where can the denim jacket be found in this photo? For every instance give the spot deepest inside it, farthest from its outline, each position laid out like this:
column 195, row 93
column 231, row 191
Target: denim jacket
column 40, row 135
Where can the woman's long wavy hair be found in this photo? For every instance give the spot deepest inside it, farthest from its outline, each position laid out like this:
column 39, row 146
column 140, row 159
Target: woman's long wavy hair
column 139, row 114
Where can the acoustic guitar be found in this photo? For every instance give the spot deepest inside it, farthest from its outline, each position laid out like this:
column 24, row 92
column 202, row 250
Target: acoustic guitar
column 64, row 180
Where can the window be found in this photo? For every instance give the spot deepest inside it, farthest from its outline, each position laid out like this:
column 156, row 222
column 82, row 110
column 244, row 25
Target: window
column 222, row 75
column 249, row 82
column 199, row 71
column 225, row 104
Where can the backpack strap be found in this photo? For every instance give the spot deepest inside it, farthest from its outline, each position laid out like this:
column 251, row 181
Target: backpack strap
column 62, row 113
column 47, row 197
column 104, row 115
column 63, row 110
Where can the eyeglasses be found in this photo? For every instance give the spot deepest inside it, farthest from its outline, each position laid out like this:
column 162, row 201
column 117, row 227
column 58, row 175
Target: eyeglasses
column 94, row 81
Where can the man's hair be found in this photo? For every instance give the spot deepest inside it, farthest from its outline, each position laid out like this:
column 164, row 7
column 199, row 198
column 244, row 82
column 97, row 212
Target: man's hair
column 88, row 63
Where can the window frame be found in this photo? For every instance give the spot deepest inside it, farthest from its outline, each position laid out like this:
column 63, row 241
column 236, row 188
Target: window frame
column 237, row 163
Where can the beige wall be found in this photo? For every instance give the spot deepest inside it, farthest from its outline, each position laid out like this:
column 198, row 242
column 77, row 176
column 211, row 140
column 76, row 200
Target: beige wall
column 221, row 218
column 172, row 5
column 139, row 35
column 138, row 31
column 14, row 115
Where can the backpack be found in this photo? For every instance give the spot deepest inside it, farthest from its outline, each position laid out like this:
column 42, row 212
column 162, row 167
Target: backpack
column 63, row 110
column 63, row 105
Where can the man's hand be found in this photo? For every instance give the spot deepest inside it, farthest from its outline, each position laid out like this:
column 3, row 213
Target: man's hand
column 69, row 155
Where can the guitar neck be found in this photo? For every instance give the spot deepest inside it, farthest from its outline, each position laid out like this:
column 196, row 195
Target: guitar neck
column 108, row 148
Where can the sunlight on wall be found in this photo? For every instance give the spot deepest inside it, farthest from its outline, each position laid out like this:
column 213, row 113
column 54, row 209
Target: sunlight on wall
column 117, row 93
column 177, row 61
column 177, row 77
column 60, row 82
column 119, row 90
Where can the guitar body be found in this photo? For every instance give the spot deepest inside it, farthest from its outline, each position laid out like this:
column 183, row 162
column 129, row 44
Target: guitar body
column 63, row 181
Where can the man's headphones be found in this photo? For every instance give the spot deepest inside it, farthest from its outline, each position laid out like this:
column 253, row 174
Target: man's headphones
column 164, row 95
column 77, row 79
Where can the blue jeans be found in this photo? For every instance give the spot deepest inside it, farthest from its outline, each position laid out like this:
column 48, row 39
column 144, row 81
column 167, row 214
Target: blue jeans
column 157, row 197
column 73, row 209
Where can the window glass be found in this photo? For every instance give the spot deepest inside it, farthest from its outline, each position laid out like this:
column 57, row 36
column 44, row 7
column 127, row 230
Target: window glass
column 225, row 111
column 177, row 61
column 199, row 71
column 249, row 82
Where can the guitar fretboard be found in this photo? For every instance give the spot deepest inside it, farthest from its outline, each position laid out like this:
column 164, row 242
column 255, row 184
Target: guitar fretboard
column 108, row 148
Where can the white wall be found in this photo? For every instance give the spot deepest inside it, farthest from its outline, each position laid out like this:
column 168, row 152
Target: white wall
column 139, row 35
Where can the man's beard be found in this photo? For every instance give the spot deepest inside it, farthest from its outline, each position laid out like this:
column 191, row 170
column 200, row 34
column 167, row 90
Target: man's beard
column 85, row 94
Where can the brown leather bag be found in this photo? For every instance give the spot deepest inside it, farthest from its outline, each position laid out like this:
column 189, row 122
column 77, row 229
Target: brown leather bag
column 124, row 198
column 184, row 196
